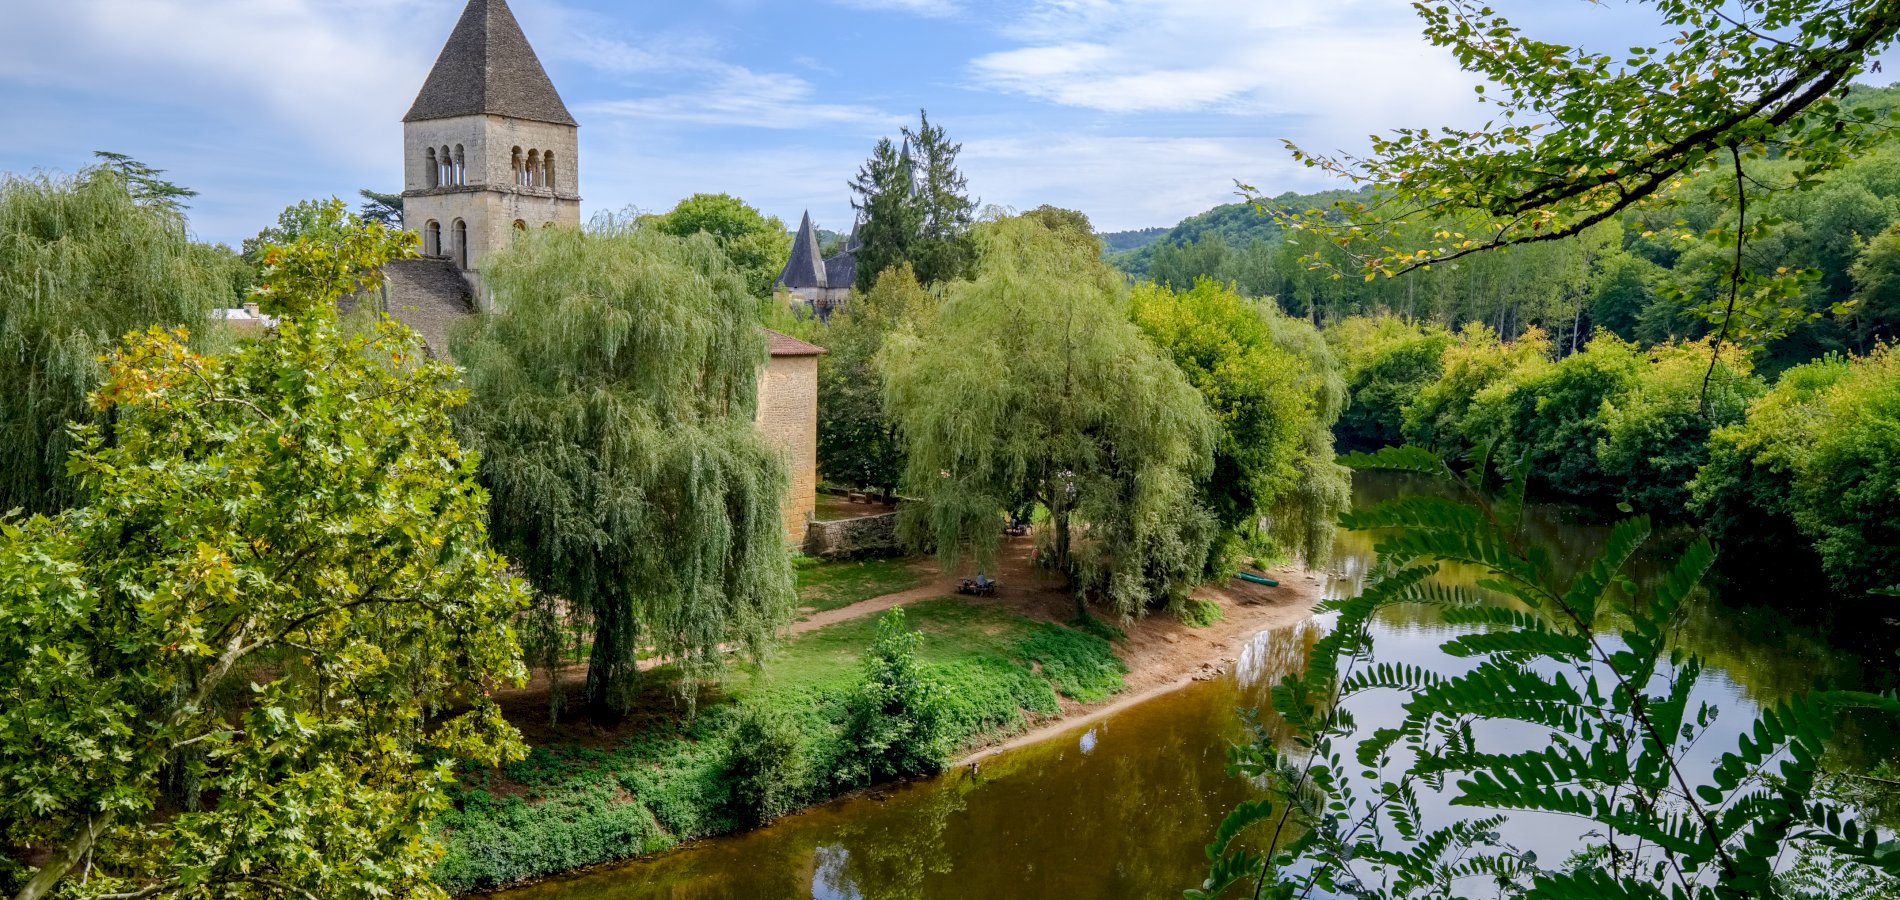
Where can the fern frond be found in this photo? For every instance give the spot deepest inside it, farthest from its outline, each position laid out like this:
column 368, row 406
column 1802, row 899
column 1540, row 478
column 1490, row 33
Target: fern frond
column 1416, row 460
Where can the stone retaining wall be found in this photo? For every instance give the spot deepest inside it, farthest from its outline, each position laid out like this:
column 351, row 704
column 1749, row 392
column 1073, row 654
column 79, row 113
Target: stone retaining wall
column 851, row 538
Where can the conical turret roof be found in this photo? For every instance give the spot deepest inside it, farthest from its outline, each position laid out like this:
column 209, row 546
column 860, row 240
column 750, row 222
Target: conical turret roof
column 806, row 268
column 487, row 67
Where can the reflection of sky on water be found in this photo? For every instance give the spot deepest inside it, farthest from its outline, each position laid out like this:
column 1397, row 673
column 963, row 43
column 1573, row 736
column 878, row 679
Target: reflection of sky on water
column 1088, row 741
column 829, row 880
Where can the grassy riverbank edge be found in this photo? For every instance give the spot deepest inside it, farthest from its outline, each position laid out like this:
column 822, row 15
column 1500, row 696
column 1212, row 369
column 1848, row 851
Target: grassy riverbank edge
column 1015, row 671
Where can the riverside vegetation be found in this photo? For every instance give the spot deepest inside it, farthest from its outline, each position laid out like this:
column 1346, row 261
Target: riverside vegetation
column 262, row 591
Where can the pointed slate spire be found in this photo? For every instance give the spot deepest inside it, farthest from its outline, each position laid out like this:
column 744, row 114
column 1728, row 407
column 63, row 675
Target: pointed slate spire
column 487, row 67
column 806, row 268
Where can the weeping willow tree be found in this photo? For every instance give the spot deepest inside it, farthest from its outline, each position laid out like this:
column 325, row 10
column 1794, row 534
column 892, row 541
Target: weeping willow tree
column 612, row 402
column 82, row 264
column 1031, row 385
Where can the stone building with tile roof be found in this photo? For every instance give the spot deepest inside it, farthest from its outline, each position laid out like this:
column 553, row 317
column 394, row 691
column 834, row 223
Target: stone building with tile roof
column 489, row 150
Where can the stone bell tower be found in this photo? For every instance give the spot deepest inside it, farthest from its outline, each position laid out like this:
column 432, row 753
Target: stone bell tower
column 489, row 149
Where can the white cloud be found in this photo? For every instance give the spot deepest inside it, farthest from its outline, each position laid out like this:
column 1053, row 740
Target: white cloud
column 336, row 74
column 736, row 96
column 1355, row 61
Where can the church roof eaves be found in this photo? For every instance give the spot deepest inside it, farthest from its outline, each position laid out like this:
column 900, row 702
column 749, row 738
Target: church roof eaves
column 487, row 67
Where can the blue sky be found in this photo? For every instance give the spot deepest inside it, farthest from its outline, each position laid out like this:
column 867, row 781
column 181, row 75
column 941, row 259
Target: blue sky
column 1138, row 112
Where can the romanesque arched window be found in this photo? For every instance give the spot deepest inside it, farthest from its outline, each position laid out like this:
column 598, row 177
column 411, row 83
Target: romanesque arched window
column 547, row 170
column 445, row 167
column 461, row 167
column 534, row 168
column 461, row 243
column 515, row 165
column 432, row 233
column 432, row 170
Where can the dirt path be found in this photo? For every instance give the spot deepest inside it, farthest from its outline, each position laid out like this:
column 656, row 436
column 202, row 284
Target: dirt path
column 1162, row 654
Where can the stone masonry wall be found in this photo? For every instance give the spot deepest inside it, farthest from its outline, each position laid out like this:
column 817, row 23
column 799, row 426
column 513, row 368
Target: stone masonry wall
column 847, row 538
column 788, row 417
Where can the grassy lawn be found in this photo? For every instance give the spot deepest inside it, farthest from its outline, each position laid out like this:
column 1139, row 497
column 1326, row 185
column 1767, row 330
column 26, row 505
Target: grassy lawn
column 829, row 585
column 568, row 805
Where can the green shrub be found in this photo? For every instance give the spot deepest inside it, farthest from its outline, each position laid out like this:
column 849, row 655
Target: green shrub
column 765, row 768
column 1081, row 666
column 1553, row 420
column 1817, row 457
column 1388, row 362
column 1656, row 435
column 896, row 723
column 1197, row 613
column 490, row 841
column 1848, row 496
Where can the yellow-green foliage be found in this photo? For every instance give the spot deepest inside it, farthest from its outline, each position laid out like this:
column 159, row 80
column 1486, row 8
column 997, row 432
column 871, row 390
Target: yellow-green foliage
column 1387, row 361
column 1255, row 389
column 236, row 668
column 1819, row 454
column 1435, row 418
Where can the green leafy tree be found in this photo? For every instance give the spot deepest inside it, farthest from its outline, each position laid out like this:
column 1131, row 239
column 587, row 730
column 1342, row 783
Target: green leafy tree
column 82, row 263
column 914, row 207
column 1743, row 496
column 1031, row 386
column 1435, row 418
column 613, row 400
column 1388, row 361
column 145, row 183
column 756, row 244
column 1582, row 137
column 1876, row 274
column 1225, row 347
column 858, row 444
column 246, row 665
column 1552, row 420
column 1848, row 498
column 1344, row 815
column 1655, row 437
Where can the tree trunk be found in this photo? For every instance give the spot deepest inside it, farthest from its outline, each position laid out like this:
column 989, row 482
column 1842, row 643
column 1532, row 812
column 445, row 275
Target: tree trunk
column 50, row 875
column 612, row 668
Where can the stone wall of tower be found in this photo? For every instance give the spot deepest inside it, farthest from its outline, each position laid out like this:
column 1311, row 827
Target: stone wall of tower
column 489, row 201
column 788, row 417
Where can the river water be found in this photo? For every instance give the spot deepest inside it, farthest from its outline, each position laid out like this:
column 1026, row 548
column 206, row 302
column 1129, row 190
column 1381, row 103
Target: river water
column 1123, row 806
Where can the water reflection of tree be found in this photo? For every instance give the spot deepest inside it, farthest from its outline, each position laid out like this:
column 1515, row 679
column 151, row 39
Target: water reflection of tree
column 895, row 852
column 1765, row 650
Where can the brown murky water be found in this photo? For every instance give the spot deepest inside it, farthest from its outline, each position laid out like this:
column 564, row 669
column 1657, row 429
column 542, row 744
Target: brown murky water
column 1123, row 807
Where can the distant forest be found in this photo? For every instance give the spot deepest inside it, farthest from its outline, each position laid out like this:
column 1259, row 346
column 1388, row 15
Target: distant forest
column 1644, row 277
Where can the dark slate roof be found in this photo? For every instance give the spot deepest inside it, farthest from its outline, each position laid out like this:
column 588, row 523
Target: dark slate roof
column 488, row 67
column 806, row 268
column 786, row 345
column 841, row 269
column 428, row 295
